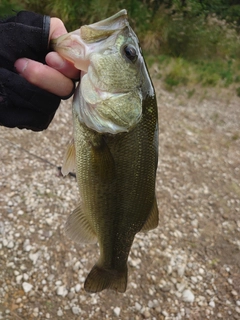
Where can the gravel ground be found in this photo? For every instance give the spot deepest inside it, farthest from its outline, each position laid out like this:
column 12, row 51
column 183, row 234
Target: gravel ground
column 187, row 268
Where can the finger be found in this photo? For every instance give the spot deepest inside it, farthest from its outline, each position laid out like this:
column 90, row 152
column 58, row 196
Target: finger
column 44, row 77
column 57, row 28
column 54, row 60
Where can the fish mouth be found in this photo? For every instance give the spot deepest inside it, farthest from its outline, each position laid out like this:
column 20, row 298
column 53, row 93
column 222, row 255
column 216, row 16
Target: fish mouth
column 77, row 46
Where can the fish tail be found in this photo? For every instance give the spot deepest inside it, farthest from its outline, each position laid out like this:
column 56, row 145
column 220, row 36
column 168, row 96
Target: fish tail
column 100, row 279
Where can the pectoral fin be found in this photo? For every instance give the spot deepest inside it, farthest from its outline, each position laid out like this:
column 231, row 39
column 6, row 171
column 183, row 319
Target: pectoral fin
column 78, row 227
column 69, row 160
column 102, row 162
column 152, row 221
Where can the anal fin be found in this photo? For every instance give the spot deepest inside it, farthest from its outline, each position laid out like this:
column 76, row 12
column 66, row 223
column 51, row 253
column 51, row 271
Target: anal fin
column 152, row 221
column 78, row 228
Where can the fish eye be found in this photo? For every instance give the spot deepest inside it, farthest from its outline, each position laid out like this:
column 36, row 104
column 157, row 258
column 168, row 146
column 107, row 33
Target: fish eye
column 130, row 52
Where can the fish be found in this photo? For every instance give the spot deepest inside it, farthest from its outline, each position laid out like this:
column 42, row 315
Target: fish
column 115, row 145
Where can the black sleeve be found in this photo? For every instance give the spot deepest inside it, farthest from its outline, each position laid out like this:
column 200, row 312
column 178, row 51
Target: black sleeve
column 22, row 104
column 25, row 35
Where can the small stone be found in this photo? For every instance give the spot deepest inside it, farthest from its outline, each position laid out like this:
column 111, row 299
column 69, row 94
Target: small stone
column 35, row 312
column 134, row 262
column 194, row 280
column 138, row 307
column 45, row 289
column 117, row 311
column 2, row 228
column 76, row 310
column 32, row 229
column 49, row 221
column 194, row 223
column 77, row 288
column 19, row 278
column 234, row 293
column 27, row 248
column 77, row 266
column 181, row 270
column 59, row 313
column 181, row 286
column 19, row 300
column 201, row 271
column 27, row 287
column 10, row 245
column 188, row 296
column 25, row 277
column 71, row 295
column 212, row 304
column 50, row 277
column 165, row 313
column 237, row 309
column 62, row 291
column 34, row 256
column 147, row 314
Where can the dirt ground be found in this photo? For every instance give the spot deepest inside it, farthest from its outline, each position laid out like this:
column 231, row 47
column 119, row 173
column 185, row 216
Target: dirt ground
column 187, row 268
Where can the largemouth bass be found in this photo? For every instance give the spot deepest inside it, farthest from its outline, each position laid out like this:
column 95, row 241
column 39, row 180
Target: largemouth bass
column 115, row 148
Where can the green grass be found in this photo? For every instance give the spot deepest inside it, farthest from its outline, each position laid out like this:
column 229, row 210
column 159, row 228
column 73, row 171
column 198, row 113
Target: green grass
column 7, row 7
column 177, row 71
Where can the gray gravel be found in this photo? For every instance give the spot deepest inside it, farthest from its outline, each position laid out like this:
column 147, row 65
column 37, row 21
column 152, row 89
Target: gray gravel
column 188, row 268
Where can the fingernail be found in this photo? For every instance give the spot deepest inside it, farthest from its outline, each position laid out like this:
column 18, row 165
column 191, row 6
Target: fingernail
column 21, row 65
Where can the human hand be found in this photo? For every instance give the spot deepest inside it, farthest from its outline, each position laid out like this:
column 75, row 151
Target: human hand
column 54, row 77
column 30, row 90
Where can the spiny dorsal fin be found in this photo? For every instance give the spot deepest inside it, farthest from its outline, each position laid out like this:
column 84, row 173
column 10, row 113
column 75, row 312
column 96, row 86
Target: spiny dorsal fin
column 152, row 221
column 69, row 160
column 78, row 227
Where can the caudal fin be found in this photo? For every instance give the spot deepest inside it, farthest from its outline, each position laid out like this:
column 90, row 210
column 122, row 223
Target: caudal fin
column 100, row 279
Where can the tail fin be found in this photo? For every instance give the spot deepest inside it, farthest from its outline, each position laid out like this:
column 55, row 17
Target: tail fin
column 100, row 279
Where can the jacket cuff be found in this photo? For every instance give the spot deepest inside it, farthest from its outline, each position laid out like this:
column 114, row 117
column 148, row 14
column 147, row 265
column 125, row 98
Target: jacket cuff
column 46, row 31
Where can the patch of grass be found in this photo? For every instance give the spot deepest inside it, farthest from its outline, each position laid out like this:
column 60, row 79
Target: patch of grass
column 214, row 263
column 7, row 7
column 177, row 72
column 238, row 91
column 235, row 137
column 208, row 73
column 212, row 72
column 190, row 93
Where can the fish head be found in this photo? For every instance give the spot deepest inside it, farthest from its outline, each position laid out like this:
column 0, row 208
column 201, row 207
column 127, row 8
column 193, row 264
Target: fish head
column 114, row 78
